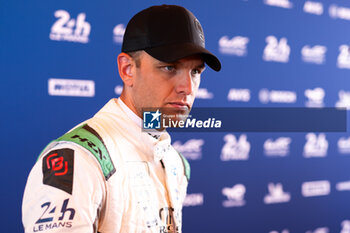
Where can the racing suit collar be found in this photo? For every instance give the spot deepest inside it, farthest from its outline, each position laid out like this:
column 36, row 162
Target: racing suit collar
column 131, row 126
column 135, row 118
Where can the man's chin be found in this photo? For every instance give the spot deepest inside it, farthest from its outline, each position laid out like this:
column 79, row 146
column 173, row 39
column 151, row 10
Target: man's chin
column 177, row 107
column 176, row 113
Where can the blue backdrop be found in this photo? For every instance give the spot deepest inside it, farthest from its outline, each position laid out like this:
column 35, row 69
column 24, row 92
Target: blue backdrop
column 58, row 67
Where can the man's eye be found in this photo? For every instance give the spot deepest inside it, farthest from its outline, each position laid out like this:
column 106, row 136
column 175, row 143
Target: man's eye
column 169, row 68
column 196, row 71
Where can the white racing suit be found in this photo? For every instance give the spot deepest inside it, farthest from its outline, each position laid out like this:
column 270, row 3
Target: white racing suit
column 107, row 176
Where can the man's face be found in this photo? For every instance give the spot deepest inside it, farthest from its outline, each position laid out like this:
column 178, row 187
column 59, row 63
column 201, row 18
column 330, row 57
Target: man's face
column 171, row 86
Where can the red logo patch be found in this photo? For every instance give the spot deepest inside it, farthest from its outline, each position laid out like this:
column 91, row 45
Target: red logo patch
column 58, row 169
column 58, row 165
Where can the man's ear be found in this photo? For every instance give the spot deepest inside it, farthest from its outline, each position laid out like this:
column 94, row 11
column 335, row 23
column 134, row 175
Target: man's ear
column 126, row 68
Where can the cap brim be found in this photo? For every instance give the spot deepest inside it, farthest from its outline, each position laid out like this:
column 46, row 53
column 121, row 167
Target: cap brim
column 174, row 52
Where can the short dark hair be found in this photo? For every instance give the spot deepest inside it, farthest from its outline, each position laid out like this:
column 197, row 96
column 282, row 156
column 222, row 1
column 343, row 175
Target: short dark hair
column 136, row 56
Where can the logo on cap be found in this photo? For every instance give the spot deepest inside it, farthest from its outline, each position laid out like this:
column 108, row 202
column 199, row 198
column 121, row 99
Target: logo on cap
column 200, row 31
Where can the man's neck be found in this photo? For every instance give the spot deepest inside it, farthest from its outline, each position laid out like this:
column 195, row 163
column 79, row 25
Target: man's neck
column 132, row 115
column 135, row 118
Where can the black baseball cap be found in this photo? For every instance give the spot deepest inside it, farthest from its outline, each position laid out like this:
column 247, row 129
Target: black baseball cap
column 167, row 33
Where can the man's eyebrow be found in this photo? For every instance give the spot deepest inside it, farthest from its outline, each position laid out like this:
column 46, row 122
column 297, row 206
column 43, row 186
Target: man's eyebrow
column 201, row 66
column 165, row 63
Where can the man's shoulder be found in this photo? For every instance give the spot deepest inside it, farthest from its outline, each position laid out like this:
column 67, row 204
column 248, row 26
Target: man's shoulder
column 88, row 139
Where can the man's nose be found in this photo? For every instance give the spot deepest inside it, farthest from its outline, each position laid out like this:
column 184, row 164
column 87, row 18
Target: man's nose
column 185, row 84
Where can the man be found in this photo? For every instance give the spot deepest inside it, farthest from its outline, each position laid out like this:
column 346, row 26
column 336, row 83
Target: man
column 107, row 175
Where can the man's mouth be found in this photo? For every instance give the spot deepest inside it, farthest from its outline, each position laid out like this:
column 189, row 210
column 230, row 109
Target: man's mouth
column 179, row 105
